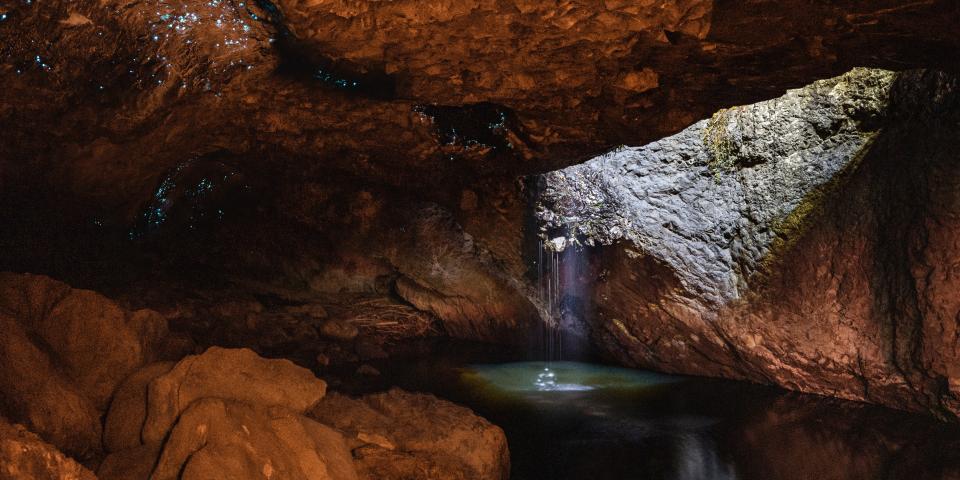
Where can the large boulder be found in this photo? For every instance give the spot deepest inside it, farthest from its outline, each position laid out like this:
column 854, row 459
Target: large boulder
column 35, row 393
column 398, row 435
column 217, row 438
column 64, row 351
column 237, row 374
column 23, row 456
column 226, row 413
column 128, row 410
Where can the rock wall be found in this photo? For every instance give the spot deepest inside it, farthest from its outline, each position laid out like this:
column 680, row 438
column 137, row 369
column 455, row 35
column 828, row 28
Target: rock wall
column 808, row 241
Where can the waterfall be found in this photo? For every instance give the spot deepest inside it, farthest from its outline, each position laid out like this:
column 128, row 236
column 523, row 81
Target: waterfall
column 550, row 296
column 550, row 299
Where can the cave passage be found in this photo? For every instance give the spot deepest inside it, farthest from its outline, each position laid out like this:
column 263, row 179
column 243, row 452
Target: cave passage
column 479, row 240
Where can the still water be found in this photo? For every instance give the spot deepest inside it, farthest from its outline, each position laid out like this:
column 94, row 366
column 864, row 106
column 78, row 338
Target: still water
column 570, row 420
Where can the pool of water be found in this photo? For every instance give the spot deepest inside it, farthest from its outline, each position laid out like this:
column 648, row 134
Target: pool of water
column 571, row 420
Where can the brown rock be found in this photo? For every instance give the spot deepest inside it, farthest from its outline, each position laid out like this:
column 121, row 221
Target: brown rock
column 23, row 456
column 237, row 374
column 131, row 464
column 339, row 330
column 96, row 343
column 64, row 352
column 367, row 370
column 128, row 409
column 407, row 435
column 217, row 438
column 36, row 393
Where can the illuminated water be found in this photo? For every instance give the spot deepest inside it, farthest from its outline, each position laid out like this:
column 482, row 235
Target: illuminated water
column 520, row 378
column 596, row 422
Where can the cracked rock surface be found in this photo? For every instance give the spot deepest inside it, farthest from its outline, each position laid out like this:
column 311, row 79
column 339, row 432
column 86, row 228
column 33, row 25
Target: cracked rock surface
column 801, row 241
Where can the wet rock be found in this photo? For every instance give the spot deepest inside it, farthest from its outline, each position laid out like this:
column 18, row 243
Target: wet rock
column 405, row 435
column 237, row 374
column 24, row 456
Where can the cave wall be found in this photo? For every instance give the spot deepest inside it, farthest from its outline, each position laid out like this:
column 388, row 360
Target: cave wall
column 808, row 241
column 307, row 150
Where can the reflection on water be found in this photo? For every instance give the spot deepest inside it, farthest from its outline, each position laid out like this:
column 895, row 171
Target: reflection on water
column 596, row 422
column 526, row 377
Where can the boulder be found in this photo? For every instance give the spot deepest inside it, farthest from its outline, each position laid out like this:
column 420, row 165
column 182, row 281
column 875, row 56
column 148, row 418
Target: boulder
column 218, row 438
column 128, row 410
column 64, row 352
column 35, row 393
column 238, row 374
column 408, row 435
column 131, row 464
column 23, row 456
column 96, row 343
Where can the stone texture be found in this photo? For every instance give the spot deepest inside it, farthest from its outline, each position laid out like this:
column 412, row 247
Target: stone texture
column 24, row 456
column 444, row 271
column 796, row 244
column 216, row 438
column 64, row 352
column 237, row 374
column 128, row 409
column 463, row 89
column 397, row 434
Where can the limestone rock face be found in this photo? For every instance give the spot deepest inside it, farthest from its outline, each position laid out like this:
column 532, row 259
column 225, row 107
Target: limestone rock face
column 237, row 374
column 801, row 242
column 64, row 352
column 405, row 435
column 24, row 456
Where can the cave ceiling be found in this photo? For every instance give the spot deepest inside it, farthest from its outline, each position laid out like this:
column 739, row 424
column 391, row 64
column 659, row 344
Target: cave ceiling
column 101, row 98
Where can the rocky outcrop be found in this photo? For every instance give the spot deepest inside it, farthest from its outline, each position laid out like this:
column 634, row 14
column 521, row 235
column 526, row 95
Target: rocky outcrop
column 63, row 353
column 229, row 412
column 800, row 241
column 185, row 420
column 237, row 374
column 216, row 437
column 404, row 435
column 24, row 456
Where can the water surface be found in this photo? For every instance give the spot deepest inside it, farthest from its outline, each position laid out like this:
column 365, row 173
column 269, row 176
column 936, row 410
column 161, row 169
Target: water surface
column 592, row 422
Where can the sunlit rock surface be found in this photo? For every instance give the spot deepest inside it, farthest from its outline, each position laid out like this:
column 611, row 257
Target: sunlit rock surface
column 800, row 241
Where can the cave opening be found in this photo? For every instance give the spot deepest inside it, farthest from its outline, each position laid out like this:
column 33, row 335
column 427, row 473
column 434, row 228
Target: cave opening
column 479, row 240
